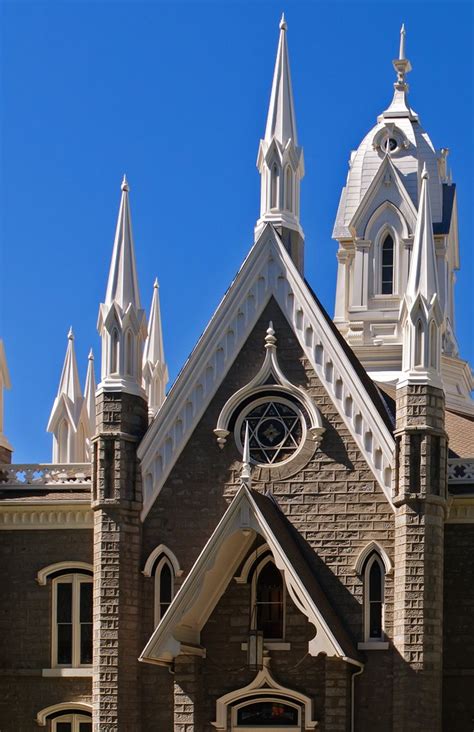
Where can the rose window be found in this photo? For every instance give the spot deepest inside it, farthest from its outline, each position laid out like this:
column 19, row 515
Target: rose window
column 276, row 430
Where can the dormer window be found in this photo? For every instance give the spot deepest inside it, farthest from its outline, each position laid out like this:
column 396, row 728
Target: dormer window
column 387, row 265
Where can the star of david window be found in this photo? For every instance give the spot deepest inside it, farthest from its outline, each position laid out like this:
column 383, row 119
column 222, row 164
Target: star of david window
column 276, row 430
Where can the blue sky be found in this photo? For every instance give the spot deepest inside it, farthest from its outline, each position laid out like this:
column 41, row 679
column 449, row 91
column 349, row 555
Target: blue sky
column 175, row 94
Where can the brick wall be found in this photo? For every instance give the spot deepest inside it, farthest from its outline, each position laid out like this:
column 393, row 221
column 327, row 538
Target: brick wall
column 25, row 624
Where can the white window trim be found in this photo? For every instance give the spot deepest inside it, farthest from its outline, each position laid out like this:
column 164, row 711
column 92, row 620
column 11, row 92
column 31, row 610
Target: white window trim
column 74, row 719
column 162, row 549
column 378, row 244
column 76, row 580
column 64, row 567
column 274, row 699
column 375, row 557
column 253, row 599
column 72, row 707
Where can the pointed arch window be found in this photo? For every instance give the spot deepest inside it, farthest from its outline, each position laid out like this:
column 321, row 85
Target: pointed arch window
column 374, row 587
column 288, row 189
column 274, row 186
column 433, row 346
column 114, row 352
column 129, row 354
column 387, row 260
column 63, row 440
column 268, row 600
column 419, row 343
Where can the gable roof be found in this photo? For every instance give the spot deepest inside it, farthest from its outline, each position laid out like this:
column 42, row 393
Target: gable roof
column 268, row 271
column 249, row 514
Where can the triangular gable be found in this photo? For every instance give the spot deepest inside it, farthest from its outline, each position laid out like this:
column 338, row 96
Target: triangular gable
column 249, row 514
column 267, row 271
column 386, row 186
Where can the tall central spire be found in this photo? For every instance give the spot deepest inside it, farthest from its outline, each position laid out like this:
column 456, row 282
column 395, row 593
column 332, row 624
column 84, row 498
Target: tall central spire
column 122, row 285
column 399, row 106
column 280, row 160
column 281, row 122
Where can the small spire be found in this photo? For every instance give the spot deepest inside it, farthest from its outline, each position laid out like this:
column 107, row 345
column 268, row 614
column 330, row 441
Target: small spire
column 155, row 370
column 281, row 122
column 245, row 474
column 4, row 384
column 423, row 275
column 89, row 395
column 401, row 53
column 122, row 286
column 69, row 383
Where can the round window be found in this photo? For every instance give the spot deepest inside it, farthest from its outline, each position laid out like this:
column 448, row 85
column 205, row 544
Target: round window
column 389, row 144
column 277, row 430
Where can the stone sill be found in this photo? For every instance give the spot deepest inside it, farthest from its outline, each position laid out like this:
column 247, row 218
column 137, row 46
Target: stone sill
column 271, row 646
column 373, row 646
column 84, row 671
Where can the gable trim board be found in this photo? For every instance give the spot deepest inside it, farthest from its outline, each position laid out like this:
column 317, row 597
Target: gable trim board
column 267, row 271
column 250, row 513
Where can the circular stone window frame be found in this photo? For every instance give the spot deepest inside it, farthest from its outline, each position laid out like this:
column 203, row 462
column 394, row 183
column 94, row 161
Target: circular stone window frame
column 266, row 399
column 390, row 133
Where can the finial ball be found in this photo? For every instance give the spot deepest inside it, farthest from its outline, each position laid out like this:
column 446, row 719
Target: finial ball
column 283, row 25
column 125, row 186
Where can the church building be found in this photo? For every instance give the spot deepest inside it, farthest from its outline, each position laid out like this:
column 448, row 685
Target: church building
column 283, row 540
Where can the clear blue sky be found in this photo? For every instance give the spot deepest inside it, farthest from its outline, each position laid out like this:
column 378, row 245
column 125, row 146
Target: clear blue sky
column 175, row 94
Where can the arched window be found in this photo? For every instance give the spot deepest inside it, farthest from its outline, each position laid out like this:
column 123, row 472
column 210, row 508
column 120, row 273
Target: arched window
column 274, row 187
column 72, row 723
column 267, row 713
column 164, row 587
column 433, row 346
column 129, row 354
column 268, row 600
column 63, row 439
column 374, row 581
column 81, row 446
column 114, row 352
column 72, row 620
column 419, row 343
column 288, row 189
column 387, row 265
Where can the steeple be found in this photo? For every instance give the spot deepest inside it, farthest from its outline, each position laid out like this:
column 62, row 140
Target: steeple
column 65, row 421
column 122, row 323
column 399, row 106
column 155, row 370
column 89, row 402
column 280, row 160
column 420, row 314
column 5, row 447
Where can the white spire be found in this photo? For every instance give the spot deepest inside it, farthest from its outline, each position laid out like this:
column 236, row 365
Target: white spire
column 280, row 160
column 423, row 276
column 122, row 323
column 69, row 384
column 420, row 313
column 122, row 286
column 399, row 106
column 4, row 384
column 155, row 370
column 89, row 396
column 281, row 121
column 65, row 419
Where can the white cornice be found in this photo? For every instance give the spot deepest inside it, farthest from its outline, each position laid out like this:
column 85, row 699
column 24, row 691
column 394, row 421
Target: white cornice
column 267, row 271
column 20, row 515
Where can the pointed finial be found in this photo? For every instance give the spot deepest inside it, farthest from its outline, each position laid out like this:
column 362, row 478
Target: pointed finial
column 155, row 284
column 91, row 355
column 125, row 186
column 283, row 23
column 245, row 474
column 424, row 174
column 270, row 340
column 70, row 334
column 401, row 54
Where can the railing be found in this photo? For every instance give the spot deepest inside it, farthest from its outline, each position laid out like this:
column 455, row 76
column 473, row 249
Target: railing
column 461, row 470
column 43, row 476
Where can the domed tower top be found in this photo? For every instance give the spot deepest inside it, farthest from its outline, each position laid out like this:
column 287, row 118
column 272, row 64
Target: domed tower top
column 375, row 226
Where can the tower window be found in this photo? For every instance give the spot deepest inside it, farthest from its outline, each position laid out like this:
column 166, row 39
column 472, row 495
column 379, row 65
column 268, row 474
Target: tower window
column 387, row 265
column 274, row 187
column 288, row 189
column 114, row 352
column 164, row 587
column 419, row 344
